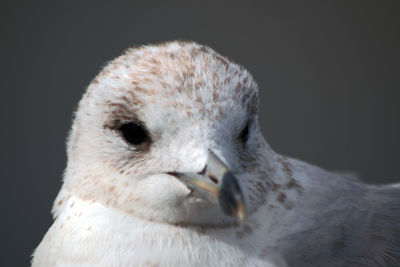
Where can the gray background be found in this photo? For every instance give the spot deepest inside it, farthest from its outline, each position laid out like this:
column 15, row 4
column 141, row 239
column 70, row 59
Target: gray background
column 328, row 73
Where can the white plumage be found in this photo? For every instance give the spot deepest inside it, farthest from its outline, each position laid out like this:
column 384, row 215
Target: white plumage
column 122, row 204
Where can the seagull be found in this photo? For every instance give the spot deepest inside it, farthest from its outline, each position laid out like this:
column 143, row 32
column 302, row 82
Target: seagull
column 167, row 166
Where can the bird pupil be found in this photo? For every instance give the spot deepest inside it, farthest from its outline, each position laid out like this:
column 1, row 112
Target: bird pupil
column 133, row 133
column 244, row 135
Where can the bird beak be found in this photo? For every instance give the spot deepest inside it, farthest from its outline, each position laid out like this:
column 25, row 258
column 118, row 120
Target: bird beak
column 216, row 184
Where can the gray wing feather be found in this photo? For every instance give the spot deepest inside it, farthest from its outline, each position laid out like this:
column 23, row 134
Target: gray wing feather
column 368, row 236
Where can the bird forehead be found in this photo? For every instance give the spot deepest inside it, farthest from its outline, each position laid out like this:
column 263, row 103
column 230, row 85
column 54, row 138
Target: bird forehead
column 184, row 79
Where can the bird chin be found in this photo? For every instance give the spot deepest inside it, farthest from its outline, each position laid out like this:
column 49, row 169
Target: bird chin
column 195, row 200
column 176, row 203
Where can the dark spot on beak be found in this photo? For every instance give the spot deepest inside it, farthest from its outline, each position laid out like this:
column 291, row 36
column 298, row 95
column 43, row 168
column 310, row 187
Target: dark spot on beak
column 203, row 171
column 230, row 194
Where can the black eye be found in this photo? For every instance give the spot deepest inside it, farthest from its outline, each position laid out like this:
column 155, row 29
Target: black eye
column 244, row 134
column 133, row 133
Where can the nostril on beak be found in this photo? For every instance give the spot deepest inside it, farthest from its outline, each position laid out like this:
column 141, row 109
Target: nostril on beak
column 204, row 172
column 213, row 178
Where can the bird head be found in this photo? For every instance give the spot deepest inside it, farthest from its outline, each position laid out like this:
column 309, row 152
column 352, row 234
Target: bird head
column 169, row 133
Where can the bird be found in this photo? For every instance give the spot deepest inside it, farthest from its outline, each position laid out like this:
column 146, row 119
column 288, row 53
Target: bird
column 167, row 166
